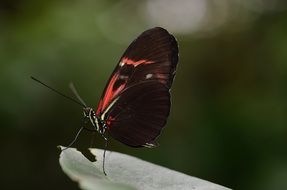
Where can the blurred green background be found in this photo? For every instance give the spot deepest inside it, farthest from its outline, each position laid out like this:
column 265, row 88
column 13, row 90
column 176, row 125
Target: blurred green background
column 228, row 122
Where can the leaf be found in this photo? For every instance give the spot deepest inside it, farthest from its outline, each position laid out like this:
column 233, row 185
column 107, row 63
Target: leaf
column 125, row 172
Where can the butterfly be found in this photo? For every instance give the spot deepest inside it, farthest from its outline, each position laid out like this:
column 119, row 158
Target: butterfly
column 135, row 103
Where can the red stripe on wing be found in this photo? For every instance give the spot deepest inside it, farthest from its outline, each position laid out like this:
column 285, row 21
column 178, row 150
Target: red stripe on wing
column 110, row 93
column 128, row 61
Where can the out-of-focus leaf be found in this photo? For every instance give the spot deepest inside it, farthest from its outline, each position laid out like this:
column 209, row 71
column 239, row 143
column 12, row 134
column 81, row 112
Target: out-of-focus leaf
column 126, row 172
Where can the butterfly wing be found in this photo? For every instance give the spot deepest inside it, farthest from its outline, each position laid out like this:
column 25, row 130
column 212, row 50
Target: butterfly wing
column 152, row 56
column 139, row 114
column 136, row 101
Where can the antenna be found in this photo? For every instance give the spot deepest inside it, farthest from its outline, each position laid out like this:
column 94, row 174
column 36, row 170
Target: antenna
column 72, row 87
column 81, row 103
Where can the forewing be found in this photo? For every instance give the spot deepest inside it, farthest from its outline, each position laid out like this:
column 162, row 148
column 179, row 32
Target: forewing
column 139, row 114
column 152, row 56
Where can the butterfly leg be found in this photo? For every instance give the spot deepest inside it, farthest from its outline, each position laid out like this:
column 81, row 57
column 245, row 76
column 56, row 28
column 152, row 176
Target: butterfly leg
column 76, row 137
column 104, row 155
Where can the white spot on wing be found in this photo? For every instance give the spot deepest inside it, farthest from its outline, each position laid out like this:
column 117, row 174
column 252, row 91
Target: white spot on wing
column 148, row 76
column 122, row 64
column 149, row 145
column 123, row 77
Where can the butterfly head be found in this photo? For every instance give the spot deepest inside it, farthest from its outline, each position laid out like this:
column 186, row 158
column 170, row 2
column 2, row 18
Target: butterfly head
column 91, row 117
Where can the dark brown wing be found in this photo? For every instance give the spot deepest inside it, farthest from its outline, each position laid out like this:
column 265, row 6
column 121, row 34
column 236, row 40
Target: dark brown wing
column 152, row 56
column 139, row 114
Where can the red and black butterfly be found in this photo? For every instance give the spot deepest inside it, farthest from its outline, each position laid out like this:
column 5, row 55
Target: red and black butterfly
column 135, row 104
column 136, row 101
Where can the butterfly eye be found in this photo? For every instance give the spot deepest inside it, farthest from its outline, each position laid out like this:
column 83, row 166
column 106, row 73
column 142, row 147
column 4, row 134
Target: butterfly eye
column 86, row 112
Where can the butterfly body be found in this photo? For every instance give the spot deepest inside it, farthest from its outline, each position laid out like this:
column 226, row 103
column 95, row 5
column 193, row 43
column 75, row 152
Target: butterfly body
column 90, row 116
column 135, row 104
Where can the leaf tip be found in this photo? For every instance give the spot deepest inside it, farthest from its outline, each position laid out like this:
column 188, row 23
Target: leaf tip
column 60, row 147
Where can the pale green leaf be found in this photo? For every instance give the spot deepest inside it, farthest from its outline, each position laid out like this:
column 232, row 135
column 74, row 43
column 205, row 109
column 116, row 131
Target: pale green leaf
column 126, row 172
